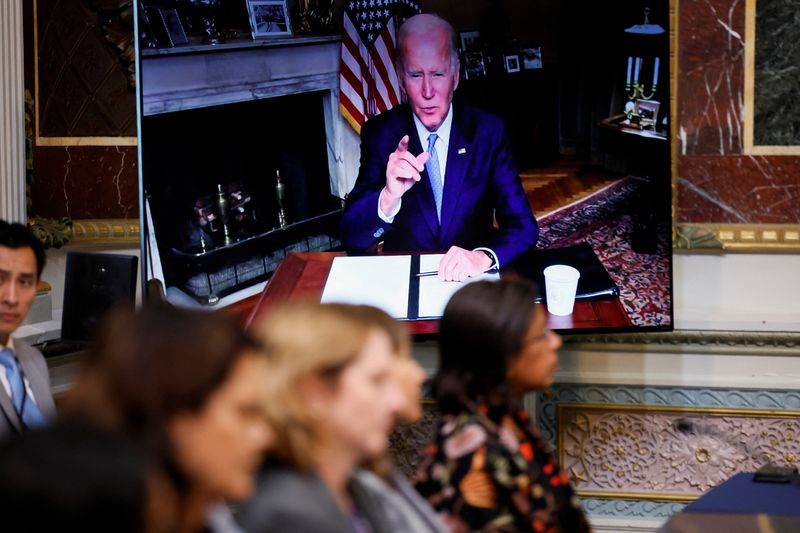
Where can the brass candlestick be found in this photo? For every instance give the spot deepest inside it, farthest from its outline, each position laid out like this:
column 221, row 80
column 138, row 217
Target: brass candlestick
column 280, row 195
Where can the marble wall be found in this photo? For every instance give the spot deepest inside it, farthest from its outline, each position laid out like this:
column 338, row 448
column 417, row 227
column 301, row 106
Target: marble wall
column 718, row 181
column 79, row 68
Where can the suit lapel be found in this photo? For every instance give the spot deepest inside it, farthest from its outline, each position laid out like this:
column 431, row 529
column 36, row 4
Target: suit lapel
column 458, row 156
column 8, row 407
column 38, row 382
column 9, row 411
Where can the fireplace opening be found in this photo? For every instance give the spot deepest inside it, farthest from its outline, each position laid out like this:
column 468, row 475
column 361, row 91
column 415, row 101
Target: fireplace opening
column 232, row 188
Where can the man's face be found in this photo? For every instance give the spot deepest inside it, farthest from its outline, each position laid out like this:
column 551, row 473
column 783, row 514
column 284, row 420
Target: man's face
column 428, row 76
column 17, row 288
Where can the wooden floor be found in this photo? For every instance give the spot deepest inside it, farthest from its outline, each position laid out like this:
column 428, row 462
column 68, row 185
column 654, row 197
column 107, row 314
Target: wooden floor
column 562, row 183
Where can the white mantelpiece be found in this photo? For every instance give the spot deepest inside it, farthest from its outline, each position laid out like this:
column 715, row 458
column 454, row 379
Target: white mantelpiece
column 191, row 77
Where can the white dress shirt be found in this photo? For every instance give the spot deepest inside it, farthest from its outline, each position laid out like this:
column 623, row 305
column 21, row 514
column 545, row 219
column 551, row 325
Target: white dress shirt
column 442, row 143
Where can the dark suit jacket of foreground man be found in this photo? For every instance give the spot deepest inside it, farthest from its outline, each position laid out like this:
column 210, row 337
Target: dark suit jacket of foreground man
column 34, row 366
column 480, row 181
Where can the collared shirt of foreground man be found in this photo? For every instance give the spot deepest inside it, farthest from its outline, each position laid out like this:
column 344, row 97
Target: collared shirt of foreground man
column 25, row 398
column 449, row 201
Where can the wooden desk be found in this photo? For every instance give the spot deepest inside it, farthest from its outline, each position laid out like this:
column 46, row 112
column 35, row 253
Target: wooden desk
column 303, row 275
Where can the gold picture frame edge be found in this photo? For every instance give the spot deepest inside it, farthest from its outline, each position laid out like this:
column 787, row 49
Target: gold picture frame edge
column 563, row 408
column 783, row 343
column 749, row 146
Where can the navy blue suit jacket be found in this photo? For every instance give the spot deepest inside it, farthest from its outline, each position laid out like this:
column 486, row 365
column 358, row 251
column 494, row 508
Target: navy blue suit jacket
column 481, row 184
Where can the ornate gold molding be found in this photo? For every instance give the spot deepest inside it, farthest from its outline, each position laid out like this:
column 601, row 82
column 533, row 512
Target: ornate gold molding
column 738, row 237
column 697, row 341
column 118, row 231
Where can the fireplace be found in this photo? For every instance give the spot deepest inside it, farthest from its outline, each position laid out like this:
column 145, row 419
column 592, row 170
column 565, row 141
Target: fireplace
column 243, row 159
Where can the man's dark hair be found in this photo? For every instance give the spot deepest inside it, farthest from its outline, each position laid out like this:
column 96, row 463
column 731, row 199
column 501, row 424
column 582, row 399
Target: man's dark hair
column 481, row 332
column 14, row 235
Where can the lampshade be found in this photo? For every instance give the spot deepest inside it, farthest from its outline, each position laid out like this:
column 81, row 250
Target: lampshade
column 646, row 28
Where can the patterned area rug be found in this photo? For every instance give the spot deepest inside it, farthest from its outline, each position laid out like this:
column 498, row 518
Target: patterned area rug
column 604, row 220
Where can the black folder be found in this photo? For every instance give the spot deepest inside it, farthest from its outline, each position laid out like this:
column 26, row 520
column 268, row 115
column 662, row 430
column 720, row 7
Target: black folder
column 594, row 283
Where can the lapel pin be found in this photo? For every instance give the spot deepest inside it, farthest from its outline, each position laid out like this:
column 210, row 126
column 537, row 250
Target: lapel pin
column 462, row 150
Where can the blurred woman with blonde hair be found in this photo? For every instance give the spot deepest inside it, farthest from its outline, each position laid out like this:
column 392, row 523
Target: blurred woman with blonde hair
column 332, row 401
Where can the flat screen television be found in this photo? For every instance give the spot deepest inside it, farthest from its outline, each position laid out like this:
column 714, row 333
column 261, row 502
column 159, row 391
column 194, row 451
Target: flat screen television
column 244, row 157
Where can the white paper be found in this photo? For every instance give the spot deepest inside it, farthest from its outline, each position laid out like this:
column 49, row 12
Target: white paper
column 379, row 281
column 434, row 294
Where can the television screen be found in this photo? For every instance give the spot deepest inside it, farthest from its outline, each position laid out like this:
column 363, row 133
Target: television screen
column 249, row 145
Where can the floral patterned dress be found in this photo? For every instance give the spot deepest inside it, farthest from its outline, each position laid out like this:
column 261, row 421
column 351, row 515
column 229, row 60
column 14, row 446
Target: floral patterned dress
column 493, row 472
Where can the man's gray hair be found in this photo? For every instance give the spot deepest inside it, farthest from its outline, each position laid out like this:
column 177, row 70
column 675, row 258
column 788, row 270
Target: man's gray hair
column 424, row 24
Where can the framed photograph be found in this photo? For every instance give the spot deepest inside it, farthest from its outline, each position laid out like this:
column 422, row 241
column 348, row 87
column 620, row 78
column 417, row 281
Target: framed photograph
column 269, row 18
column 474, row 66
column 512, row 63
column 470, row 41
column 647, row 111
column 531, row 57
column 172, row 22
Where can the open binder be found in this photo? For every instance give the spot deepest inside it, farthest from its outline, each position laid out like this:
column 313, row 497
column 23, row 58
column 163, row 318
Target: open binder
column 595, row 283
column 392, row 283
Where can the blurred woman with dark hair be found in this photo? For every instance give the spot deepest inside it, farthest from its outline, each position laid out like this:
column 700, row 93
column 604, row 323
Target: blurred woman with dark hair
column 185, row 387
column 488, row 468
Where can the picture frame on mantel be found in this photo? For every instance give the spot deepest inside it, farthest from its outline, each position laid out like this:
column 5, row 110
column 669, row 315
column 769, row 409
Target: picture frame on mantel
column 269, row 18
column 731, row 193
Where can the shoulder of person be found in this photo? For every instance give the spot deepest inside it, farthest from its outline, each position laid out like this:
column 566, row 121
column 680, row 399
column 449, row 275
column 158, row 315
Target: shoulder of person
column 477, row 113
column 291, row 501
column 28, row 352
column 284, row 483
column 397, row 116
column 477, row 121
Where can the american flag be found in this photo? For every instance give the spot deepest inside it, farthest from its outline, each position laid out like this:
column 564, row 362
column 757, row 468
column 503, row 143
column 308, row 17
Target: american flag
column 368, row 82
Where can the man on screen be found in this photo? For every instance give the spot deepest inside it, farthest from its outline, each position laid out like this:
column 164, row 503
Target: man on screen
column 463, row 179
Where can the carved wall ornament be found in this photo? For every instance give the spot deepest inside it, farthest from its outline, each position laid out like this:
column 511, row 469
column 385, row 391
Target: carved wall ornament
column 669, row 453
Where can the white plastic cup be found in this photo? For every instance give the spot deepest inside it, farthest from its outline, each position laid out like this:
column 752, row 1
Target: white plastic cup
column 561, row 283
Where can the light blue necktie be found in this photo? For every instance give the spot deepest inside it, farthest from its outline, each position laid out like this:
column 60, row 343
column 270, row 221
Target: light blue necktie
column 30, row 414
column 434, row 174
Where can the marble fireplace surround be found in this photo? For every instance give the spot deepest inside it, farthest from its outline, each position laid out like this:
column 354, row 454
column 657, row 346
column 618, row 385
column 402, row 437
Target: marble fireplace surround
column 178, row 79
